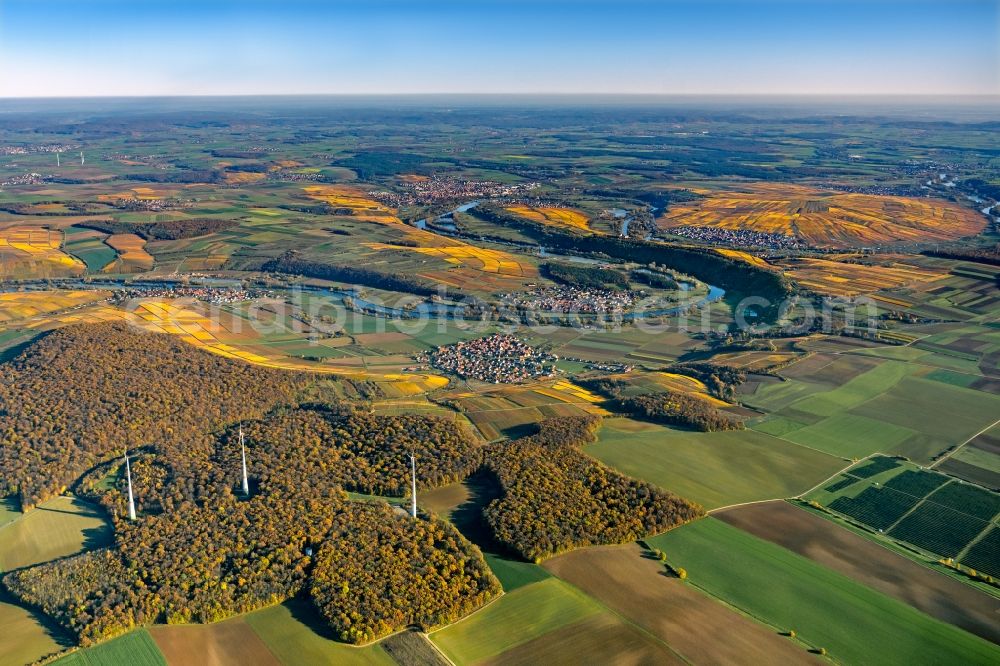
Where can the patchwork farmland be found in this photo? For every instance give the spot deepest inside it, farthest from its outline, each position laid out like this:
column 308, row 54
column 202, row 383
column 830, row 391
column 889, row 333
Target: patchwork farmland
column 284, row 282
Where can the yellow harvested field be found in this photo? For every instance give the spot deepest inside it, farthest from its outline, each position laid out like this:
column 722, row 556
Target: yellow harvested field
column 577, row 391
column 35, row 252
column 243, row 177
column 477, row 258
column 228, row 337
column 140, row 192
column 827, row 219
column 132, row 255
column 341, row 196
column 892, row 301
column 469, row 261
column 683, row 384
column 559, row 217
column 837, row 278
column 363, row 209
column 743, row 256
column 15, row 306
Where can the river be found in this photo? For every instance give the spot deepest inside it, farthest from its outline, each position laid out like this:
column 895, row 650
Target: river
column 422, row 309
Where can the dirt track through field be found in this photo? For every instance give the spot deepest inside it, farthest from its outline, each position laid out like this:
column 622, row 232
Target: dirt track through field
column 699, row 628
column 867, row 562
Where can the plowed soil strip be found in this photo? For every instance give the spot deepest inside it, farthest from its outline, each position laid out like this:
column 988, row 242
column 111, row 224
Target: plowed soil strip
column 867, row 562
column 637, row 588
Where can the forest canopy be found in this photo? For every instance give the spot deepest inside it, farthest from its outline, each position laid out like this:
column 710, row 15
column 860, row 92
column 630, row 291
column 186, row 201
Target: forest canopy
column 84, row 393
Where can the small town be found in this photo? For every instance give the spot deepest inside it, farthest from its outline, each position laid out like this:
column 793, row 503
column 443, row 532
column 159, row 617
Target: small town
column 739, row 238
column 215, row 295
column 437, row 189
column 572, row 300
column 497, row 359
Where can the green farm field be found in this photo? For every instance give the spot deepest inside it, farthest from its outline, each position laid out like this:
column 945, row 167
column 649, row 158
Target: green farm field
column 940, row 515
column 287, row 634
column 27, row 637
column 826, row 609
column 293, row 632
column 715, row 469
column 515, row 618
column 303, row 265
column 59, row 527
column 893, row 408
column 135, row 649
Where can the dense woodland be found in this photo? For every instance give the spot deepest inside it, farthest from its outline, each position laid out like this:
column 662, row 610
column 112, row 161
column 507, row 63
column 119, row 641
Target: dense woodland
column 658, row 280
column 369, row 570
column 720, row 380
column 354, row 449
column 201, row 551
column 666, row 407
column 556, row 498
column 584, row 277
column 982, row 255
column 81, row 394
column 676, row 409
column 293, row 263
column 379, row 571
column 164, row 230
column 94, row 595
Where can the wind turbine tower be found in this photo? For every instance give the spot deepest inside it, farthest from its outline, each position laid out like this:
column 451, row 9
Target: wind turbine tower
column 57, row 158
column 81, row 158
column 131, row 499
column 243, row 455
column 413, row 488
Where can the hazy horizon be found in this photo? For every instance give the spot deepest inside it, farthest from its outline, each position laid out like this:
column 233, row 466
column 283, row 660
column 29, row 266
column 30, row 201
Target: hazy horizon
column 112, row 48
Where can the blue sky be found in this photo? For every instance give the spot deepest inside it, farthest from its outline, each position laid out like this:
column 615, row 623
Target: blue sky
column 155, row 47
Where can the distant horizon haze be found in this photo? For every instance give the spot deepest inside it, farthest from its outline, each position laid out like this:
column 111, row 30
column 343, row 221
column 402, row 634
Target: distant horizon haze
column 155, row 48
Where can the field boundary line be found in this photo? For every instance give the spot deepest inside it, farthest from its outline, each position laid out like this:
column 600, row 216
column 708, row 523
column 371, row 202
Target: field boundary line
column 747, row 614
column 626, row 620
column 979, row 537
column 958, row 448
column 891, row 544
column 920, row 503
column 427, row 637
column 492, row 601
column 739, row 504
column 832, row 476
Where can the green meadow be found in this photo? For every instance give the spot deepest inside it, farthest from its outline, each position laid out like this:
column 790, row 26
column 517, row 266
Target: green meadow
column 715, row 469
column 515, row 618
column 134, row 649
column 856, row 624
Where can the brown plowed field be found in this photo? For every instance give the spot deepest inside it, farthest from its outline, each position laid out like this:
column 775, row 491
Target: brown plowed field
column 869, row 563
column 699, row 628
column 231, row 643
column 601, row 639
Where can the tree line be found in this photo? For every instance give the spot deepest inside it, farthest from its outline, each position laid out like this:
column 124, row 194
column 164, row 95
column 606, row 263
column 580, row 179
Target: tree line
column 666, row 407
column 293, row 263
column 556, row 498
column 163, row 230
column 584, row 277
